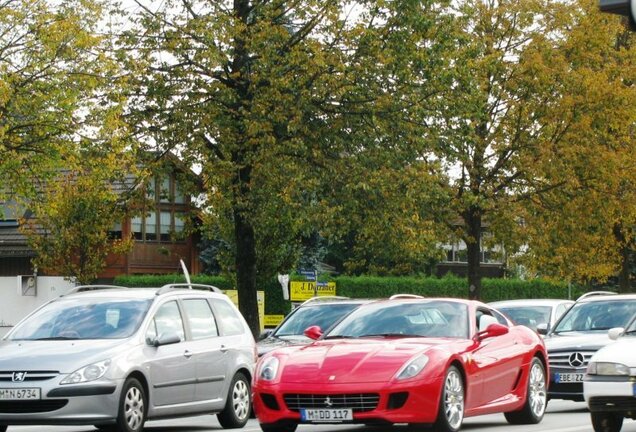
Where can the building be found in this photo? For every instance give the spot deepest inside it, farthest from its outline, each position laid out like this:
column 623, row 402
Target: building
column 161, row 241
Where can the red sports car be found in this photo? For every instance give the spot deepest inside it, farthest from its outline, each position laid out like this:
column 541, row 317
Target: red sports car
column 405, row 360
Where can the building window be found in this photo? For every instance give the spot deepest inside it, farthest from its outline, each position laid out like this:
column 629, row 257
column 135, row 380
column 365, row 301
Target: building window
column 136, row 226
column 151, row 226
column 115, row 232
column 165, row 194
column 179, row 196
column 166, row 222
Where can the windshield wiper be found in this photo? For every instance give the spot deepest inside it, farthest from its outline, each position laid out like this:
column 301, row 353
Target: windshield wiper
column 340, row 337
column 57, row 338
column 629, row 332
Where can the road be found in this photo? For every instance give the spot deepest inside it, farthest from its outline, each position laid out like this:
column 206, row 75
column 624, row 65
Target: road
column 562, row 416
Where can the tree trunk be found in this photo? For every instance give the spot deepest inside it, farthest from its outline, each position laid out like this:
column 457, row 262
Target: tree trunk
column 472, row 219
column 246, row 271
column 243, row 228
column 624, row 285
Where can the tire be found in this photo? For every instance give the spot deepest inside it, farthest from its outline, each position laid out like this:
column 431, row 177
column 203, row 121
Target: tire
column 133, row 406
column 238, row 404
column 3, row 428
column 275, row 428
column 536, row 397
column 450, row 414
column 606, row 422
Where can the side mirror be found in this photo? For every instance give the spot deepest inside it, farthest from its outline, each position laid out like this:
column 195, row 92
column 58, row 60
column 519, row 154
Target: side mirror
column 265, row 334
column 313, row 332
column 493, row 330
column 166, row 339
column 615, row 333
column 543, row 328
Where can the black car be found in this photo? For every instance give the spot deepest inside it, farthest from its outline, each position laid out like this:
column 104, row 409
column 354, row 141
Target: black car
column 318, row 311
column 580, row 332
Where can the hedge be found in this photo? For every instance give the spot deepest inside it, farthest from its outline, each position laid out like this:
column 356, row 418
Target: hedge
column 379, row 287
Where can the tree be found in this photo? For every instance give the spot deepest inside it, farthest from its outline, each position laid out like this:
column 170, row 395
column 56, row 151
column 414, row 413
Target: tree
column 585, row 232
column 52, row 62
column 511, row 121
column 265, row 94
column 70, row 234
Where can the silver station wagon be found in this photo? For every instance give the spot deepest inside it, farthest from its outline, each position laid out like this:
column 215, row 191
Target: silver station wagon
column 115, row 357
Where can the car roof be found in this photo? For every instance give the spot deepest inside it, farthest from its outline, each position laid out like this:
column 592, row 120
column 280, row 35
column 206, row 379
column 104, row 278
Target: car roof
column 315, row 301
column 111, row 291
column 608, row 297
column 398, row 298
column 529, row 302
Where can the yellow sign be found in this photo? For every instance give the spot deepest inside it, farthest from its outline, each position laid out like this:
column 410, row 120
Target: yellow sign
column 260, row 298
column 304, row 290
column 273, row 320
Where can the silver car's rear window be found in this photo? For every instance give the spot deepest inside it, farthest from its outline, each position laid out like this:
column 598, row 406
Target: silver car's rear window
column 83, row 318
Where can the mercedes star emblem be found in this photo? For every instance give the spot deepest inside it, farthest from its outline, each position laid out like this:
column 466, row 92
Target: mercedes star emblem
column 576, row 360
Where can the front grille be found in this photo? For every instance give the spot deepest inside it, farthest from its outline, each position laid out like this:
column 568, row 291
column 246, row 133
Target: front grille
column 28, row 406
column 562, row 359
column 566, row 387
column 29, row 376
column 612, row 403
column 358, row 402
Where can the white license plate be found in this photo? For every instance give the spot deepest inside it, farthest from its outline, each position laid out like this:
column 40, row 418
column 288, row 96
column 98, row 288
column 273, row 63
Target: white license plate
column 19, row 393
column 326, row 415
column 568, row 377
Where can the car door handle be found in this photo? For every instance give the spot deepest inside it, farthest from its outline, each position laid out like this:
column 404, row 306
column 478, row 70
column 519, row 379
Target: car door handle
column 187, row 354
column 223, row 348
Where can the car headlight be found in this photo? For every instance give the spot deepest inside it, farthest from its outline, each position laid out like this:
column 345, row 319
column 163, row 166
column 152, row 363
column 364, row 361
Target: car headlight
column 413, row 367
column 607, row 368
column 269, row 369
column 88, row 373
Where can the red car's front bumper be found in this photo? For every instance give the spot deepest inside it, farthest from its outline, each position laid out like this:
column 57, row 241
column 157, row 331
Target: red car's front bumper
column 414, row 401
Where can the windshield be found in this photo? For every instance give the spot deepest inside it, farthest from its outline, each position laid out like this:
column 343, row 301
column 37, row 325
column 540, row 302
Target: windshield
column 436, row 318
column 322, row 315
column 83, row 318
column 596, row 315
column 530, row 316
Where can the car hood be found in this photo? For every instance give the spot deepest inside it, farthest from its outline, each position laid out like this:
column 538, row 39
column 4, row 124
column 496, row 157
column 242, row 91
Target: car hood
column 63, row 356
column 620, row 351
column 591, row 341
column 338, row 361
column 266, row 345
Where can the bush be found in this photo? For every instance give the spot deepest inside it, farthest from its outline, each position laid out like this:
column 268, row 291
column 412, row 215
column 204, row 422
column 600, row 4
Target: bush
column 274, row 304
column 379, row 287
column 451, row 286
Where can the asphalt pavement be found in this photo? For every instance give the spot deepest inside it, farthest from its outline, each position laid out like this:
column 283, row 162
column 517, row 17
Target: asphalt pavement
column 561, row 416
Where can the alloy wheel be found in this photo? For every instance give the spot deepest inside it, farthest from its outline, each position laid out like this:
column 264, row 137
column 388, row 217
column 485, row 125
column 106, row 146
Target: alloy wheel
column 537, row 391
column 241, row 399
column 134, row 408
column 454, row 399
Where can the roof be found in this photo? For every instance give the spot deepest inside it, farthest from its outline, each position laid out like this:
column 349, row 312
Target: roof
column 529, row 302
column 14, row 243
column 614, row 298
column 106, row 291
column 332, row 299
